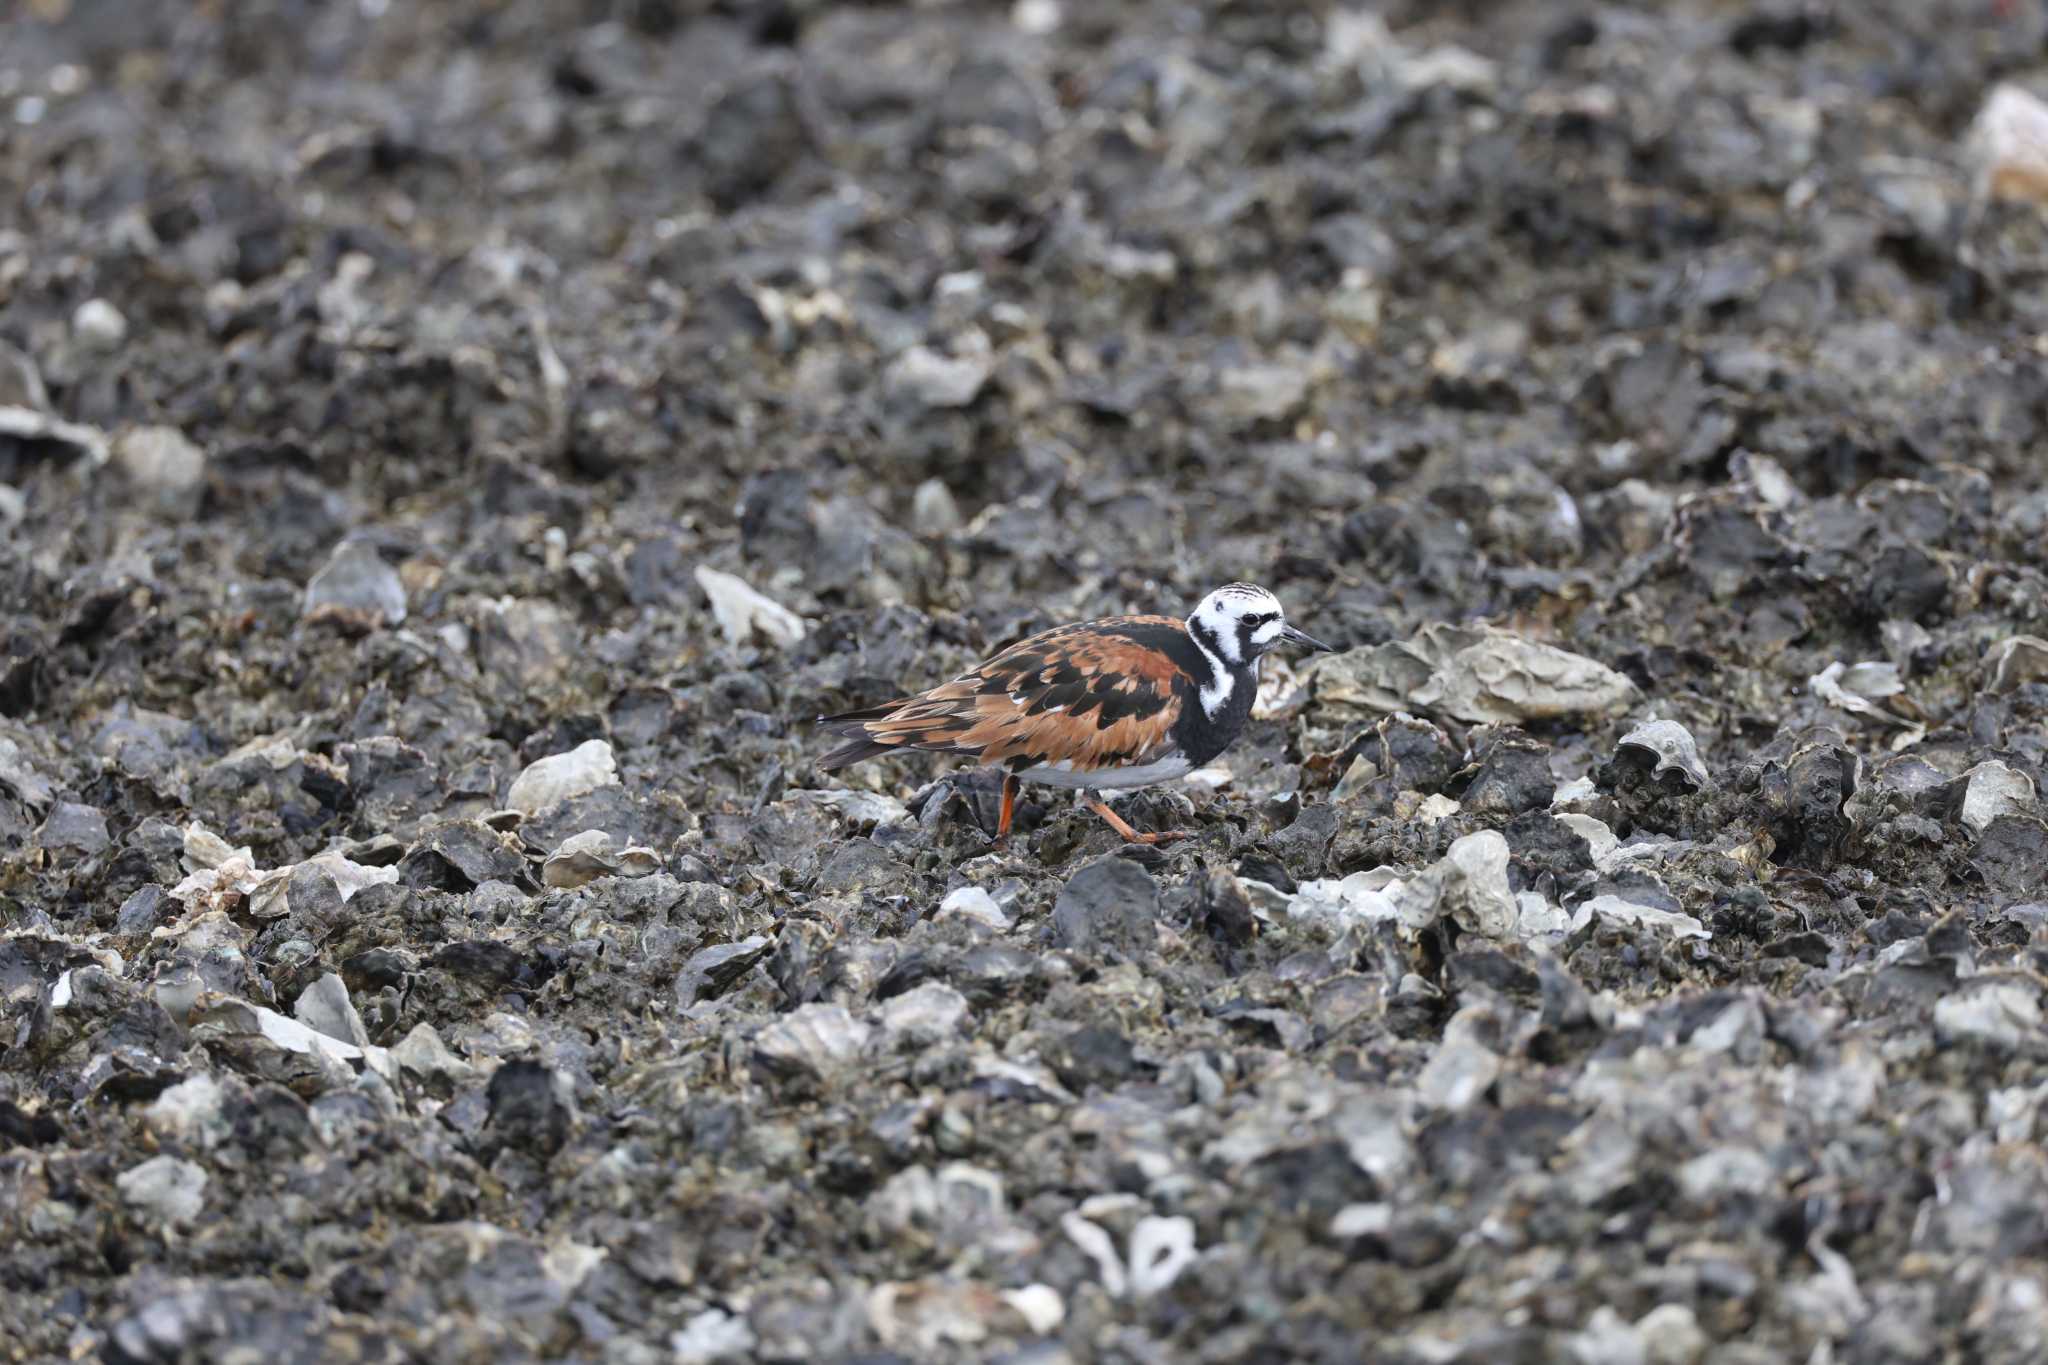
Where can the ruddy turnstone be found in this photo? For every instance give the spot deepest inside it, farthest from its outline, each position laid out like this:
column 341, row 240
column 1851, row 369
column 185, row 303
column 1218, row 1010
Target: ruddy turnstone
column 1106, row 705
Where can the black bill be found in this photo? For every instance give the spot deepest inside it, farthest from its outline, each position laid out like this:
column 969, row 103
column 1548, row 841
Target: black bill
column 1290, row 636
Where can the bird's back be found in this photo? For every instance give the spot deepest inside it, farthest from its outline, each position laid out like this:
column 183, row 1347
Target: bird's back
column 1092, row 694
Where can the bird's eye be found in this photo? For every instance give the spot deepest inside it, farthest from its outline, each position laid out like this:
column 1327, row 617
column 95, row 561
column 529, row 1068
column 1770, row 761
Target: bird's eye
column 1259, row 618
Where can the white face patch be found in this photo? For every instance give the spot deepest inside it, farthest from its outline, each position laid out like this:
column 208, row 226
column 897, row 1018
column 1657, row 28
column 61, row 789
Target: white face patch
column 1219, row 624
column 1215, row 694
column 1221, row 616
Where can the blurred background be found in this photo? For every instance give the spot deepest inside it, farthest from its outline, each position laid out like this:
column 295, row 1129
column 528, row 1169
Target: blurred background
column 1008, row 313
column 1428, row 308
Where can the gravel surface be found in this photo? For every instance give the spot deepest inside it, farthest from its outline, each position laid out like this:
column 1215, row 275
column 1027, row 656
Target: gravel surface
column 449, row 453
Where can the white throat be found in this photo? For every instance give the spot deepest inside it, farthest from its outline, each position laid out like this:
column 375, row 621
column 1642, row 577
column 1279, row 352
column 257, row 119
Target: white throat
column 1216, row 694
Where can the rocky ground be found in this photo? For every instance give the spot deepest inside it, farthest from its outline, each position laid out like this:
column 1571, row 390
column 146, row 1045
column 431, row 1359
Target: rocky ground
column 448, row 453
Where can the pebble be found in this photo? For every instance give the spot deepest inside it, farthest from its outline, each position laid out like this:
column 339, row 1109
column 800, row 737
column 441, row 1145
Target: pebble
column 973, row 903
column 1993, row 789
column 931, row 380
column 933, row 511
column 325, row 1006
column 166, row 1188
column 74, row 827
column 166, row 463
column 562, row 777
column 2000, row 1014
column 932, row 1013
column 815, row 1041
column 1111, row 903
column 356, row 588
column 99, row 326
column 192, row 1111
column 743, row 613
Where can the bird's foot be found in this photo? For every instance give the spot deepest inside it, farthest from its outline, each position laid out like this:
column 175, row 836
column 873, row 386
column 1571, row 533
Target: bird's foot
column 1131, row 836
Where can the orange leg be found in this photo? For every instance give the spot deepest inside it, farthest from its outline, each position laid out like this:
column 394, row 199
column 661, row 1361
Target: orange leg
column 1010, row 785
column 1131, row 836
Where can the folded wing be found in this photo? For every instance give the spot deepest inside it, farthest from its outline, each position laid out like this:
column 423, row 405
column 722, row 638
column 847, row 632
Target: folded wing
column 1100, row 694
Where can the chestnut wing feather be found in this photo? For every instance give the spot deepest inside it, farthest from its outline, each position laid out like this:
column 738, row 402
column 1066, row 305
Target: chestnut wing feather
column 1089, row 695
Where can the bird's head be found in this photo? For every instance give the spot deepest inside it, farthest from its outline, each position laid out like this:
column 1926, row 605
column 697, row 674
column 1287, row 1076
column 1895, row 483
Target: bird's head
column 1239, row 622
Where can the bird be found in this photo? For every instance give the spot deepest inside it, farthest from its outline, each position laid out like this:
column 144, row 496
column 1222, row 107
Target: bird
column 1107, row 705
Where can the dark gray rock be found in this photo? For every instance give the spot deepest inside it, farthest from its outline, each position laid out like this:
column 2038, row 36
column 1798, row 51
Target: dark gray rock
column 141, row 912
column 458, row 855
column 356, row 588
column 1109, row 905
column 74, row 829
column 1513, row 777
column 1415, row 754
column 751, row 135
column 716, row 970
column 529, row 1110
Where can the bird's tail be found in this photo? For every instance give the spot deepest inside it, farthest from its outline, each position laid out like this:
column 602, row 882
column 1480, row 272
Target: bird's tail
column 861, row 744
column 854, row 751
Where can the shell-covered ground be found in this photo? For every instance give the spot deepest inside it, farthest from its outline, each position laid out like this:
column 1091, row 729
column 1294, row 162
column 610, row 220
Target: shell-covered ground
column 431, row 433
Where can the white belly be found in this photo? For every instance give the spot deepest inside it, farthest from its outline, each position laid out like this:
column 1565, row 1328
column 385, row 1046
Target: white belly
column 1062, row 774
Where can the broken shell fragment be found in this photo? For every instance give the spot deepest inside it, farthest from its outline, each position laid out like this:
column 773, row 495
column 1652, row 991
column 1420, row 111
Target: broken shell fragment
column 1670, row 748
